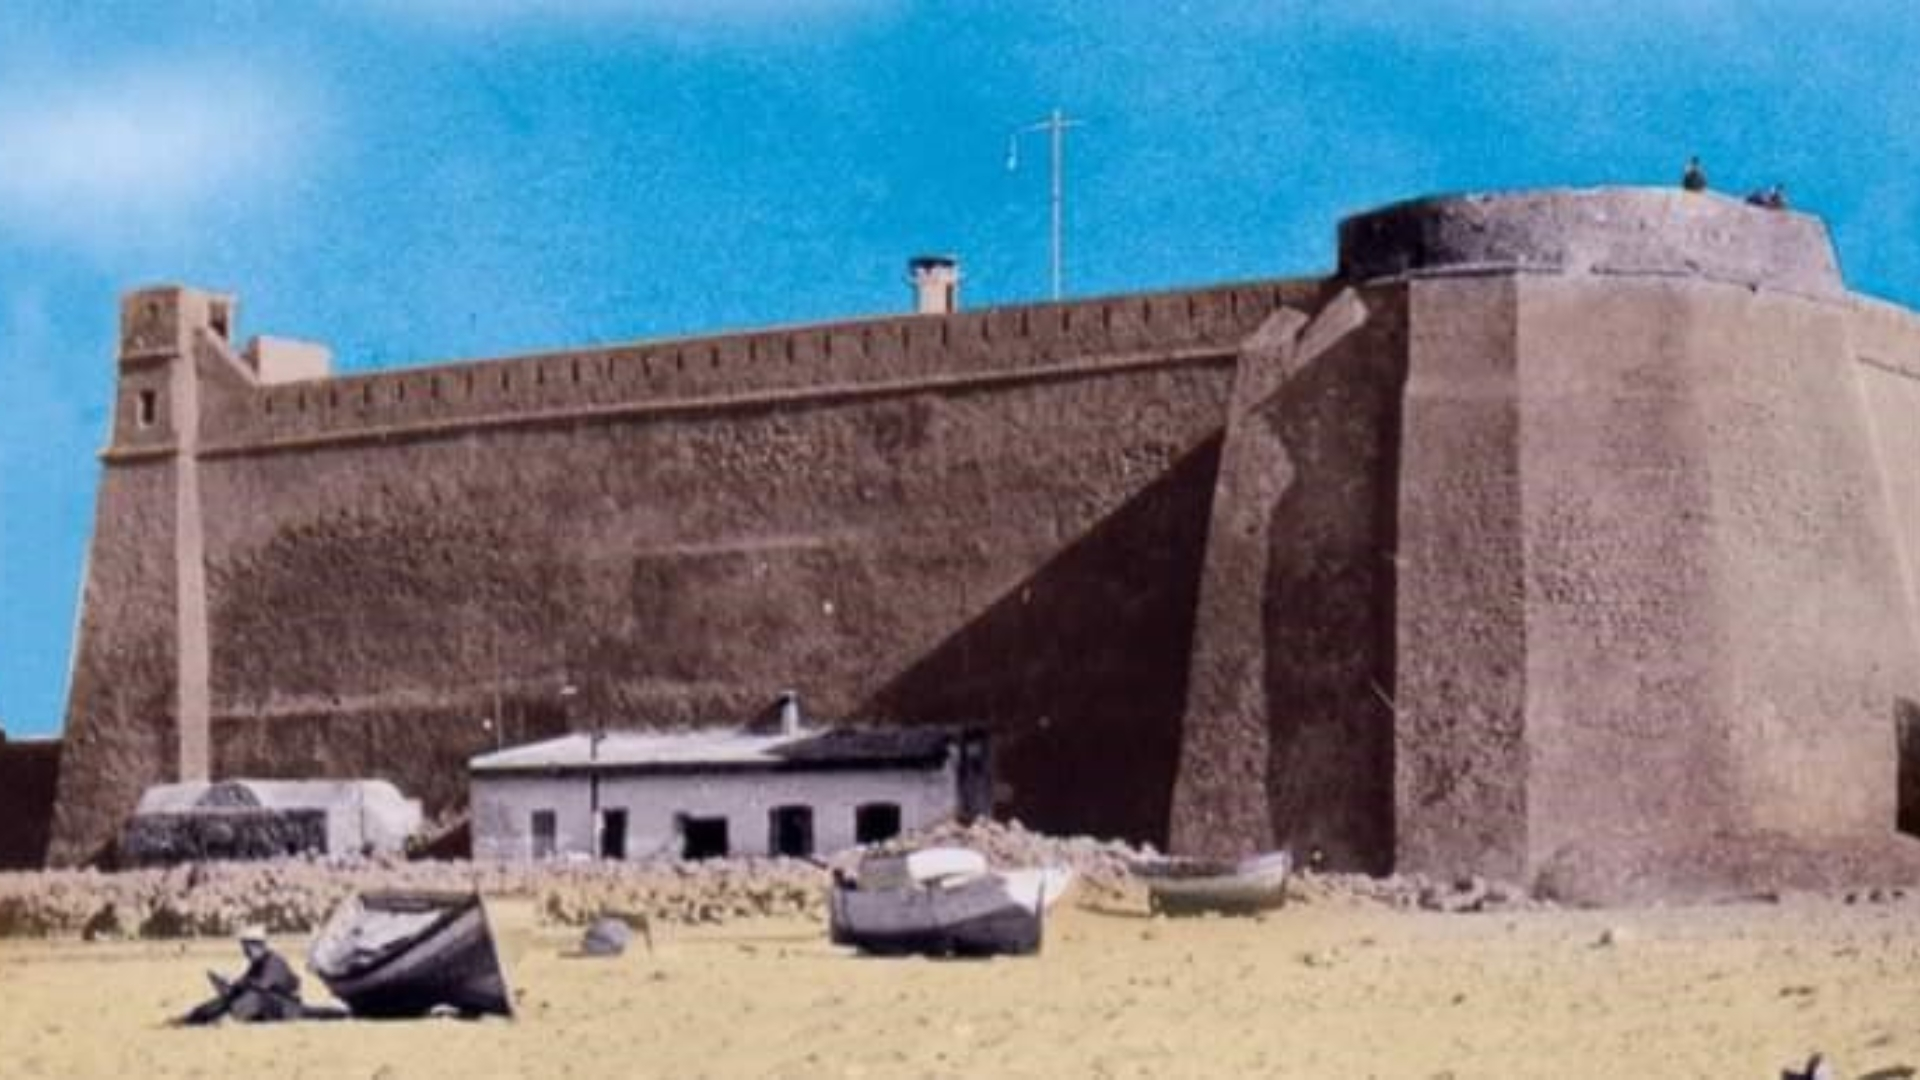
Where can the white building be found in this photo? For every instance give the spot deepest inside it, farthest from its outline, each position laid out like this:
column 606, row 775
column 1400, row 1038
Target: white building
column 712, row 793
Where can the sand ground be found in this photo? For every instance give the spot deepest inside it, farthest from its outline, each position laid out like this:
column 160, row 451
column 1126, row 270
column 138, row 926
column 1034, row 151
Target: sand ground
column 1322, row 990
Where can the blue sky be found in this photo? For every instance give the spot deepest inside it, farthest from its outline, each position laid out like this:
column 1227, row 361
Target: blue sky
column 412, row 180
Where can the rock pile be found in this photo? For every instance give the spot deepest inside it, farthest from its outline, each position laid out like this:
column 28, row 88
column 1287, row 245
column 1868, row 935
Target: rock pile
column 1462, row 895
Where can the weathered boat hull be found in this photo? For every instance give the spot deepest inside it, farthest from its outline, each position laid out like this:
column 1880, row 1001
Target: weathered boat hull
column 407, row 954
column 976, row 917
column 1187, row 886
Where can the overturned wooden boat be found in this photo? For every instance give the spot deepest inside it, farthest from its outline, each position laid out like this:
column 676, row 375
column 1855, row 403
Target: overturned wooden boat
column 394, row 954
column 943, row 902
column 1180, row 885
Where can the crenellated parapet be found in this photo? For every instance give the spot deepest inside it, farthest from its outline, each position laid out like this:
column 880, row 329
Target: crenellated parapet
column 872, row 356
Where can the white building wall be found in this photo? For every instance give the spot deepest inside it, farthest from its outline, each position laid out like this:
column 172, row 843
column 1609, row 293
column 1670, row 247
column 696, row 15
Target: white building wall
column 503, row 807
column 503, row 814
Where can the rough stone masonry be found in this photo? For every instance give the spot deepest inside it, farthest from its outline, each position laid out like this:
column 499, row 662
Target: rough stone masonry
column 1566, row 537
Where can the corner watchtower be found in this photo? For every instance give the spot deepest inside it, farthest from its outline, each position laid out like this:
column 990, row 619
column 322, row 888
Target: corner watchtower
column 155, row 402
column 139, row 704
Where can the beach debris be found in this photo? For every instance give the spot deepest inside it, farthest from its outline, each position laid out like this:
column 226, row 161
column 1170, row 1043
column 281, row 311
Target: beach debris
column 608, row 936
column 1817, row 1068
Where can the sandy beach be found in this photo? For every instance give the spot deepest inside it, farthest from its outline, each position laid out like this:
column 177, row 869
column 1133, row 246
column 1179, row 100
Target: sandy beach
column 1334, row 988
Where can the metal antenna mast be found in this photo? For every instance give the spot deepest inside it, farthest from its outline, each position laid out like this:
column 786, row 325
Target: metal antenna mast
column 1055, row 126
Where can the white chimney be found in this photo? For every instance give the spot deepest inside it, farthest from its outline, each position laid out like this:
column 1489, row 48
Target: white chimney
column 789, row 712
column 936, row 284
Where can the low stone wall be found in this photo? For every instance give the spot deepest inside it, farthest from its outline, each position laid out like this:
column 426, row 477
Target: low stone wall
column 294, row 897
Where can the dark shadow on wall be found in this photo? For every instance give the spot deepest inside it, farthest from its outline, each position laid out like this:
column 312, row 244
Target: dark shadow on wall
column 1328, row 600
column 1906, row 725
column 1080, row 671
column 29, row 775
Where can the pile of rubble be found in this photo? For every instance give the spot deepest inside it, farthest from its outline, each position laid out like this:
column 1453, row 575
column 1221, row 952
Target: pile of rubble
column 1407, row 892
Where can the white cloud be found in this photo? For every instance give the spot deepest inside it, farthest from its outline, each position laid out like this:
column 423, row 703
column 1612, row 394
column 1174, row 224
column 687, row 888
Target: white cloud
column 105, row 160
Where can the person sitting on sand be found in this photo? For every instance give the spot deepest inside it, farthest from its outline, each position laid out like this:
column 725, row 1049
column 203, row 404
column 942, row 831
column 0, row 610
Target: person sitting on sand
column 267, row 991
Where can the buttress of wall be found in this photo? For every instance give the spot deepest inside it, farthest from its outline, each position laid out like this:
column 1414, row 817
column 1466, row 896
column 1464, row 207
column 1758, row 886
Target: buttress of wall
column 119, row 736
column 1710, row 648
column 1021, row 553
column 1289, row 728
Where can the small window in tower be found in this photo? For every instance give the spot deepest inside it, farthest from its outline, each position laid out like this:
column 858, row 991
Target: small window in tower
column 148, row 407
column 217, row 317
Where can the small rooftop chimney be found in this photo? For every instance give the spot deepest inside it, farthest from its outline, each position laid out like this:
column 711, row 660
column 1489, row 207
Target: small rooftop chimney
column 936, row 284
column 789, row 712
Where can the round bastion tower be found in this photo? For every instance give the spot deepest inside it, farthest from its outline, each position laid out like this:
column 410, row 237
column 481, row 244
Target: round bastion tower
column 1655, row 617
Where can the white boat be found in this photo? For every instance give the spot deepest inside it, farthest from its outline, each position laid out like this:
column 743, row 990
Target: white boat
column 1177, row 885
column 943, row 901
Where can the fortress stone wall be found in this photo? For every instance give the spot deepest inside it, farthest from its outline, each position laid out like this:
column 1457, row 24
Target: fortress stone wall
column 1568, row 537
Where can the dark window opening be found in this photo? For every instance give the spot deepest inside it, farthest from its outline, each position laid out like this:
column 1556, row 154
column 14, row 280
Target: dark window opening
column 975, row 777
column 613, row 834
column 148, row 408
column 876, row 822
column 217, row 316
column 790, row 831
column 546, row 834
column 703, row 837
